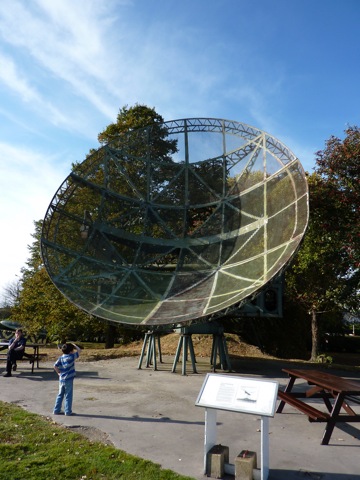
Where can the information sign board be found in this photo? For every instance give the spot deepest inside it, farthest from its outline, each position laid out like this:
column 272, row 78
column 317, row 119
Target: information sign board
column 238, row 394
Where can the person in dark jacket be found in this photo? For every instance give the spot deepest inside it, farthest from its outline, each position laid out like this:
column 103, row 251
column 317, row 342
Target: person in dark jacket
column 15, row 352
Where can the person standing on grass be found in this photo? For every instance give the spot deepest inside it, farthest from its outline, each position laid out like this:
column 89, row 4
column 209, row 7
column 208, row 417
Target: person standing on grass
column 65, row 368
column 15, row 352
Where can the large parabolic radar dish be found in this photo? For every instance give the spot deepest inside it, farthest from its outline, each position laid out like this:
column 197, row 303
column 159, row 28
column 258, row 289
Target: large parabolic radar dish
column 175, row 222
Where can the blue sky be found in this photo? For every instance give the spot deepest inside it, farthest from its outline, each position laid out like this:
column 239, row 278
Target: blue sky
column 288, row 67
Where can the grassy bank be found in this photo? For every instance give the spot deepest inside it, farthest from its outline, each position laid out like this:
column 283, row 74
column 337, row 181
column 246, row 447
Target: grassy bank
column 35, row 448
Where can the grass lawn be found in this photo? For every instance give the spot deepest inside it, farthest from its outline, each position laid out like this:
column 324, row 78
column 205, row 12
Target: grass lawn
column 35, row 448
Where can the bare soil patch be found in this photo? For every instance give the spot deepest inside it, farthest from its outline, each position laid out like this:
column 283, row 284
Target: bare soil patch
column 202, row 347
column 91, row 433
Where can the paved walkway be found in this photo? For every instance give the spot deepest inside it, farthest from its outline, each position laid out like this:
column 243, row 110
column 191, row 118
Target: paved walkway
column 152, row 414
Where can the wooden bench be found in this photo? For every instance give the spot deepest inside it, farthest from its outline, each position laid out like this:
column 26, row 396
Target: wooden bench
column 26, row 358
column 32, row 358
column 313, row 413
column 335, row 392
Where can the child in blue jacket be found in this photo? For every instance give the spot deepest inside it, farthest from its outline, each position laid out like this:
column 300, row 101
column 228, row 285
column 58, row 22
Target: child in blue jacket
column 65, row 368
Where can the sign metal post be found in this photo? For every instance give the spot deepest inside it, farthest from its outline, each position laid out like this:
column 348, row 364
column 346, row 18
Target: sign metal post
column 238, row 394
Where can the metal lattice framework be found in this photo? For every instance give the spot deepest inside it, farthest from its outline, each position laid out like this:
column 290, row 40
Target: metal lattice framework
column 175, row 222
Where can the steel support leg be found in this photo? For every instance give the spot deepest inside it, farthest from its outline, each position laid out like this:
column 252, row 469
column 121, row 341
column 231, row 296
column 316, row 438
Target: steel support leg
column 219, row 347
column 185, row 344
column 150, row 341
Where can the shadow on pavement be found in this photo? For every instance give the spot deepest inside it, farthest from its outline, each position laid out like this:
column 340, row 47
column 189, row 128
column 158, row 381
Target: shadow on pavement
column 307, row 475
column 136, row 418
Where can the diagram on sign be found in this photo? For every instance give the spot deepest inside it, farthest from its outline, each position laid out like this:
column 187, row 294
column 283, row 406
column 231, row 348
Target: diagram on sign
column 247, row 394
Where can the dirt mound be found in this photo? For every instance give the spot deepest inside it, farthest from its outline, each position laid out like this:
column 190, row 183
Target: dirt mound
column 202, row 347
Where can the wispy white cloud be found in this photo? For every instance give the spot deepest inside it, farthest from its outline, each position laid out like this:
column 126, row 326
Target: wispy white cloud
column 13, row 79
column 108, row 59
column 66, row 39
column 28, row 180
column 10, row 76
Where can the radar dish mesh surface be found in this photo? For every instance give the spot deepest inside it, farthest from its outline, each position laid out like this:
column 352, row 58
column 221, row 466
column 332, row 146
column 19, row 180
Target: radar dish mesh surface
column 175, row 222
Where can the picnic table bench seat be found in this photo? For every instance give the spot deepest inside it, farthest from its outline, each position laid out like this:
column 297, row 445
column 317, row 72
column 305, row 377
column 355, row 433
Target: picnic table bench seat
column 313, row 413
column 32, row 358
column 335, row 392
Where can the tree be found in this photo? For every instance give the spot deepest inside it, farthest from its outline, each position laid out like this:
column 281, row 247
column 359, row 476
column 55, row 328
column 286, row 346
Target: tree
column 314, row 279
column 324, row 276
column 339, row 165
column 11, row 293
column 136, row 117
column 136, row 150
column 126, row 141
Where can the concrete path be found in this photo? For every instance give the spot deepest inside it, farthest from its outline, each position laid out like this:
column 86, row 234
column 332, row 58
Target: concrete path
column 152, row 414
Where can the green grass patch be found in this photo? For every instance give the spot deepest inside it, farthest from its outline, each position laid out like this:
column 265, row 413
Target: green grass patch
column 33, row 448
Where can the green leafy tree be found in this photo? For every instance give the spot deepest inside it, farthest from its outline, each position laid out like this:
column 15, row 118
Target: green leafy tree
column 324, row 276
column 339, row 165
column 314, row 278
column 137, row 117
column 128, row 140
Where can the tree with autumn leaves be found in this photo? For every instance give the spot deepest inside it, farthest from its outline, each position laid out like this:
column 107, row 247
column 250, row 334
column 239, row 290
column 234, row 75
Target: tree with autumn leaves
column 339, row 166
column 325, row 275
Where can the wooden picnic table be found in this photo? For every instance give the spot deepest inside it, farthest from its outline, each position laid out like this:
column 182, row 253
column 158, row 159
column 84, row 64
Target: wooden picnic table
column 336, row 392
column 33, row 357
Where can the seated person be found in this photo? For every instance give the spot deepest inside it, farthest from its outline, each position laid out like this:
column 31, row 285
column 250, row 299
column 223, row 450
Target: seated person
column 16, row 351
